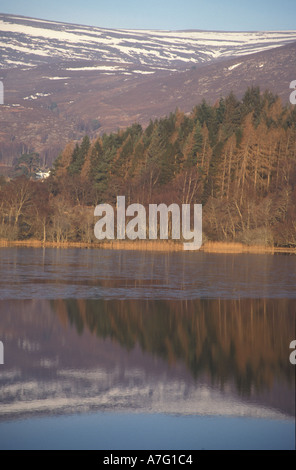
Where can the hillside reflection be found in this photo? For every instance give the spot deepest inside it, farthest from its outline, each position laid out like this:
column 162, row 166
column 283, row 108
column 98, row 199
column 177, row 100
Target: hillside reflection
column 243, row 340
column 217, row 357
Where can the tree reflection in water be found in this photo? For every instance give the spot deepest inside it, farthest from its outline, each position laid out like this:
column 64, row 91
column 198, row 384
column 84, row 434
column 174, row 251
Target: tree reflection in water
column 245, row 341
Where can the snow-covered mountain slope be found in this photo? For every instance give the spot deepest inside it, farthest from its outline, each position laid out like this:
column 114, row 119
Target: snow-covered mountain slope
column 62, row 81
column 28, row 42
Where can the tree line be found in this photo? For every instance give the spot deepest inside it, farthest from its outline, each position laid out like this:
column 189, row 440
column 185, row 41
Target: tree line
column 236, row 157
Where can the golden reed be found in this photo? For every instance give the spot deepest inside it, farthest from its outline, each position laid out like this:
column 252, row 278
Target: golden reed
column 153, row 245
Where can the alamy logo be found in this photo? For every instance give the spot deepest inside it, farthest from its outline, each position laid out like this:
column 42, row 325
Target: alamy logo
column 292, row 357
column 137, row 227
column 293, row 94
column 1, row 353
column 1, row 93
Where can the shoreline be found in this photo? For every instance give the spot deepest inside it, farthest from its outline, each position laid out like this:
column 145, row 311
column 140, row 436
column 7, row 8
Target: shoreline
column 164, row 246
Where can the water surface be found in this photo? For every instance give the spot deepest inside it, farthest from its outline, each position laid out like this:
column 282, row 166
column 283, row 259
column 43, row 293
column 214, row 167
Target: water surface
column 119, row 349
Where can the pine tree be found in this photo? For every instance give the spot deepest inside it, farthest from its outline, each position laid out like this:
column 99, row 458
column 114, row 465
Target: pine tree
column 196, row 146
column 99, row 169
column 78, row 156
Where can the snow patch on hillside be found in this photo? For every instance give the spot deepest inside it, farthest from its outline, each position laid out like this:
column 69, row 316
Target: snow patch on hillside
column 46, row 40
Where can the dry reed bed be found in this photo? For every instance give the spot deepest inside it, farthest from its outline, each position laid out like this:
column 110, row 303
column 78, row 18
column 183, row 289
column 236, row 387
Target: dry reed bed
column 155, row 245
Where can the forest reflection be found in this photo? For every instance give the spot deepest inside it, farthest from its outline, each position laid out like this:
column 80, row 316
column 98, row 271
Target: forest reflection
column 245, row 341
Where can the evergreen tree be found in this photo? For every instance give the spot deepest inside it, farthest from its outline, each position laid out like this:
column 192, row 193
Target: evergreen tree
column 78, row 156
column 99, row 169
column 197, row 145
column 27, row 164
column 252, row 102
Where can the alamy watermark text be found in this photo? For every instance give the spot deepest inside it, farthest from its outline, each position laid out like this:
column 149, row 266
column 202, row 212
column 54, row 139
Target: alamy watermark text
column 1, row 93
column 293, row 94
column 293, row 353
column 137, row 227
column 1, row 353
